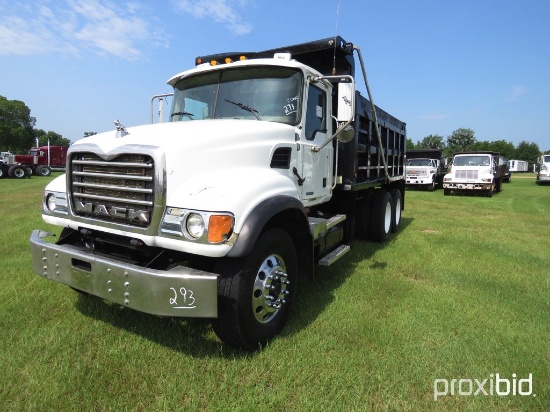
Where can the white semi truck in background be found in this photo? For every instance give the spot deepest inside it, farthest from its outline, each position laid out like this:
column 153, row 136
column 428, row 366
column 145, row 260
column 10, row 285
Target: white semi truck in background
column 424, row 169
column 476, row 171
column 543, row 175
column 272, row 162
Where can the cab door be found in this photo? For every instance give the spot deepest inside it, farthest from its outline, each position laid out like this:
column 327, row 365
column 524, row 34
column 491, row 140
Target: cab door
column 316, row 170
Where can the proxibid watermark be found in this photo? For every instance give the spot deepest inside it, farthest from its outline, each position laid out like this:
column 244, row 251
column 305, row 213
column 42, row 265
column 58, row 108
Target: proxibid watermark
column 494, row 385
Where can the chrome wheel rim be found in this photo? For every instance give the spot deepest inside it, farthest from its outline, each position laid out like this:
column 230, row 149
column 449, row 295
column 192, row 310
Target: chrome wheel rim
column 270, row 292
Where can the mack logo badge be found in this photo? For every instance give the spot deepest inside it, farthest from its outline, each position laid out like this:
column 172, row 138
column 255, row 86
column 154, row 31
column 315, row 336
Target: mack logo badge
column 113, row 211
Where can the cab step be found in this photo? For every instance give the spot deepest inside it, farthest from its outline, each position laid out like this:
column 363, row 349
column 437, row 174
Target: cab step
column 333, row 256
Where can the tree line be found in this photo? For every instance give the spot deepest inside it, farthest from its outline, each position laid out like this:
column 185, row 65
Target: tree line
column 464, row 140
column 17, row 131
column 18, row 135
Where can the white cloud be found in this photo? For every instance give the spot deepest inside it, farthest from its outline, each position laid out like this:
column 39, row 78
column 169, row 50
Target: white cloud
column 516, row 92
column 78, row 26
column 221, row 11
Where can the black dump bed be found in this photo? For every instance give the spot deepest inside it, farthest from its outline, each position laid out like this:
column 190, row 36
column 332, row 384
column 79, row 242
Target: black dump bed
column 424, row 154
column 323, row 55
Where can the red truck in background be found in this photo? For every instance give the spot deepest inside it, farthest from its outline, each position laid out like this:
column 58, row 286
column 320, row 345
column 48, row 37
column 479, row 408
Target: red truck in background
column 39, row 161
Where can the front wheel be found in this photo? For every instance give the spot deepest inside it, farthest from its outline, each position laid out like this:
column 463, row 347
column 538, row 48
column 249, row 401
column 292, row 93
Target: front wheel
column 17, row 172
column 255, row 292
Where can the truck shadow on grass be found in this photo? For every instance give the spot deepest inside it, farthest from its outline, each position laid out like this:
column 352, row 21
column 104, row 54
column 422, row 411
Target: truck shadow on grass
column 314, row 298
column 195, row 337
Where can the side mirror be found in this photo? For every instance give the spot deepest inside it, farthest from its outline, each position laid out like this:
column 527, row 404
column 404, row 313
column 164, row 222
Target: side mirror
column 346, row 110
column 345, row 133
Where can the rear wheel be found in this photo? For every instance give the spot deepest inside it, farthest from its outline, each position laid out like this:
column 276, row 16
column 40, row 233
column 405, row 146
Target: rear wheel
column 43, row 170
column 255, row 292
column 396, row 209
column 381, row 217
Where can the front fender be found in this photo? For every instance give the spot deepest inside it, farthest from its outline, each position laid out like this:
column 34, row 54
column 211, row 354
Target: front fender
column 258, row 218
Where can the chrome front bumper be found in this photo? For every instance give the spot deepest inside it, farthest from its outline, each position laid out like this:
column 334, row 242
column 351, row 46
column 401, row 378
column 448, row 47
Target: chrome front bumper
column 467, row 186
column 179, row 292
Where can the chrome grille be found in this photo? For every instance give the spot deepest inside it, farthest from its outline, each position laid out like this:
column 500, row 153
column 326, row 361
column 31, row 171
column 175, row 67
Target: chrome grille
column 119, row 190
column 466, row 174
column 416, row 172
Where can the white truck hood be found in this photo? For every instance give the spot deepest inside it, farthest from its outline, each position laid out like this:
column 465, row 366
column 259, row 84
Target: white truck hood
column 210, row 163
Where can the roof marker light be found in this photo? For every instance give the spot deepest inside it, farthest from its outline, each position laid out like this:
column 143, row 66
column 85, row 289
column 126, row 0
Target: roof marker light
column 282, row 56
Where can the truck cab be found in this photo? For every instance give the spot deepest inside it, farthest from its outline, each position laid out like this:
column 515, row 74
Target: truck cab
column 424, row 168
column 281, row 100
column 475, row 171
column 543, row 175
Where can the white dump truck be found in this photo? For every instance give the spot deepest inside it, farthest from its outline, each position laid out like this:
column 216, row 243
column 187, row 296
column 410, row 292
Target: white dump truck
column 424, row 169
column 272, row 162
column 476, row 171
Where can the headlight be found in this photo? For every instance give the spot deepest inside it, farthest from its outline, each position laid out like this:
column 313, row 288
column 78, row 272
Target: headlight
column 195, row 225
column 55, row 203
column 50, row 202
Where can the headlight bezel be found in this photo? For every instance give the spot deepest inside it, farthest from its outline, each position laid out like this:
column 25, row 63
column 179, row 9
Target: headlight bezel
column 216, row 227
column 55, row 203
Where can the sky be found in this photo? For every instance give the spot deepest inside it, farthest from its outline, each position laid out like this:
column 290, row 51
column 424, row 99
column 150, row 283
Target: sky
column 438, row 65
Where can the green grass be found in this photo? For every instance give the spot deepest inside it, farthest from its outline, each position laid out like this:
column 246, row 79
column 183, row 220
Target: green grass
column 462, row 292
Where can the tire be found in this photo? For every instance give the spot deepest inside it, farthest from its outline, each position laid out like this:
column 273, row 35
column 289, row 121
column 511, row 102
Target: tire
column 43, row 170
column 29, row 171
column 396, row 209
column 432, row 186
column 446, row 192
column 17, row 172
column 363, row 216
column 2, row 172
column 255, row 292
column 381, row 217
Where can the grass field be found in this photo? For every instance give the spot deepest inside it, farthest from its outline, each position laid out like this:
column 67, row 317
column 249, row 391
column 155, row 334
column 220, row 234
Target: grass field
column 461, row 293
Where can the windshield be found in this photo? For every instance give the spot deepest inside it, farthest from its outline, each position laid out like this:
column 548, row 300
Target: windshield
column 419, row 162
column 265, row 93
column 546, row 159
column 479, row 160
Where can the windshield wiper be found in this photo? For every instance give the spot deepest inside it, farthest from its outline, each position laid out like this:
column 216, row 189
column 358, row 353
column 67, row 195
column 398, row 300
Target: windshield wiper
column 245, row 107
column 182, row 113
